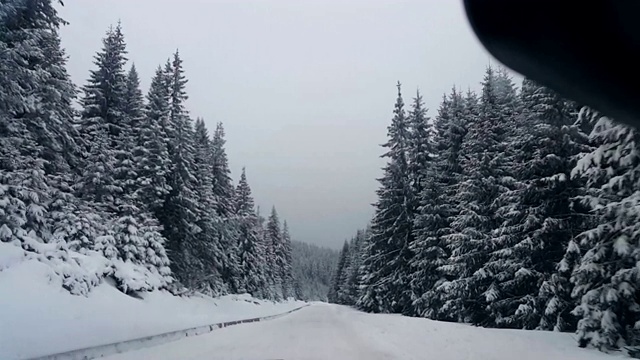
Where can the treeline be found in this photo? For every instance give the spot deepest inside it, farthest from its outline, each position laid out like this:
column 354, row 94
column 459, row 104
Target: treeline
column 512, row 208
column 313, row 267
column 127, row 187
column 345, row 283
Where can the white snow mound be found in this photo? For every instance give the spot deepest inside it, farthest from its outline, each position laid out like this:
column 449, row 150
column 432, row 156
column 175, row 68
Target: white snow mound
column 38, row 317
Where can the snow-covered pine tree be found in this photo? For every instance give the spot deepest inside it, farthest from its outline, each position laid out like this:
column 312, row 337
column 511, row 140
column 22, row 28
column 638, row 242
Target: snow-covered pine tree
column 430, row 224
column 223, row 185
column 134, row 103
column 555, row 294
column 451, row 127
column 351, row 288
column 102, row 121
column 151, row 154
column 485, row 168
column 339, row 275
column 538, row 220
column 126, row 143
column 343, row 285
column 606, row 279
column 31, row 42
column 386, row 275
column 275, row 255
column 422, row 172
column 106, row 89
column 180, row 209
column 207, row 248
column 420, row 152
column 35, row 121
column 224, row 194
column 251, row 252
column 287, row 272
column 112, row 106
column 268, row 270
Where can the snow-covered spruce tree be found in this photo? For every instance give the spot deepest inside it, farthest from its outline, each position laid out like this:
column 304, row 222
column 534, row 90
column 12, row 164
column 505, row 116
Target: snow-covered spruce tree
column 386, row 278
column 101, row 123
column 207, row 247
column 606, row 279
column 343, row 295
column 339, row 275
column 420, row 152
column 287, row 272
column 134, row 103
column 485, row 167
column 426, row 249
column 556, row 293
column 269, row 256
column 33, row 56
column 227, row 226
column 450, row 125
column 275, row 255
column 351, row 287
column 223, row 185
column 430, row 224
column 539, row 219
column 102, row 120
column 178, row 215
column 36, row 129
column 251, row 252
column 111, row 121
column 151, row 154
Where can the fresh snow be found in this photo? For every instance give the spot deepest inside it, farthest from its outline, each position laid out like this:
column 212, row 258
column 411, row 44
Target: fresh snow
column 38, row 317
column 324, row 331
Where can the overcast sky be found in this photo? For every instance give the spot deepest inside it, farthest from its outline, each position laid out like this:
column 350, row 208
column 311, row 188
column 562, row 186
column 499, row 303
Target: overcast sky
column 305, row 89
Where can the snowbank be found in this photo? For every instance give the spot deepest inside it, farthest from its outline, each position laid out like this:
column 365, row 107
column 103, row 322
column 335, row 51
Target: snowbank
column 38, row 317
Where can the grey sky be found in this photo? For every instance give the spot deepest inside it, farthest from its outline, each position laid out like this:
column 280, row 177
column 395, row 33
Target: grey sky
column 305, row 88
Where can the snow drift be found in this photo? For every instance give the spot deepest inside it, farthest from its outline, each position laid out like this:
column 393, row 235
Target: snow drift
column 39, row 317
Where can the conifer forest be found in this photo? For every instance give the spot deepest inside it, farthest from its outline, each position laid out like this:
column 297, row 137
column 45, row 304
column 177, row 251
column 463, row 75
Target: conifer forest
column 105, row 180
column 508, row 207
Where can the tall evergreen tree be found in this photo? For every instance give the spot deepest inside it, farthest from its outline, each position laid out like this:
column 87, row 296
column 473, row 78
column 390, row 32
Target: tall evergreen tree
column 388, row 252
column 103, row 121
column 540, row 220
column 431, row 221
column 208, row 247
column 152, row 155
column 251, row 252
column 351, row 288
column 420, row 150
column 275, row 255
column 485, row 167
column 222, row 186
column 606, row 278
column 339, row 275
column 134, row 106
column 223, row 191
column 180, row 209
column 287, row 272
column 37, row 137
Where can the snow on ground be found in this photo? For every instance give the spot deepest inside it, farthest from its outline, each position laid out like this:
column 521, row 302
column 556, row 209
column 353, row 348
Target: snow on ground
column 38, row 317
column 329, row 332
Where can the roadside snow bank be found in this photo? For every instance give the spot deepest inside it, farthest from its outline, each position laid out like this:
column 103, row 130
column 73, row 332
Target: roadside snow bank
column 38, row 317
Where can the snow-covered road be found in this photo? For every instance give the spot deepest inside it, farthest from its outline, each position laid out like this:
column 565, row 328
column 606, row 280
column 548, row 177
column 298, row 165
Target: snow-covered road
column 324, row 331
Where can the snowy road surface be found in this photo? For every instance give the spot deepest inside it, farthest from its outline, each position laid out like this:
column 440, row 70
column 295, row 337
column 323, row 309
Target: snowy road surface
column 324, row 331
